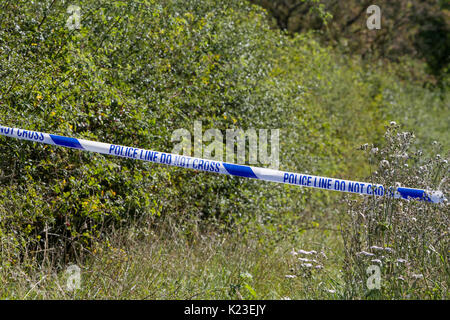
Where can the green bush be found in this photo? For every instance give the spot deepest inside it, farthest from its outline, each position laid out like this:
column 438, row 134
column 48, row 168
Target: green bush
column 136, row 71
column 407, row 240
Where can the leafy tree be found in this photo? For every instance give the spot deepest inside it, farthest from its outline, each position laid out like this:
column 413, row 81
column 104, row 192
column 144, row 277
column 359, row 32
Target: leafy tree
column 418, row 29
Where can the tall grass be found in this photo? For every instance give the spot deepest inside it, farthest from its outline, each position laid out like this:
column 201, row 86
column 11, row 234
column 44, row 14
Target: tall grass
column 142, row 263
column 192, row 258
column 408, row 240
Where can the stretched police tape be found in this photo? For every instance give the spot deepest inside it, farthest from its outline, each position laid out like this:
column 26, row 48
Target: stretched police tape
column 223, row 167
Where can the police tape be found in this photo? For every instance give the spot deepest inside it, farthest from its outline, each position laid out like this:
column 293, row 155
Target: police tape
column 224, row 167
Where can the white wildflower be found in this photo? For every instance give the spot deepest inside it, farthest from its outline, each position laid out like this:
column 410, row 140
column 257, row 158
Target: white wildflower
column 319, row 267
column 384, row 163
column 306, row 260
column 378, row 261
column 364, row 253
column 246, row 275
column 323, row 255
column 306, row 252
column 306, row 265
column 386, row 249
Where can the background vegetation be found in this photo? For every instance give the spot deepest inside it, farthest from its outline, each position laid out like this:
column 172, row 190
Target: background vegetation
column 412, row 30
column 137, row 70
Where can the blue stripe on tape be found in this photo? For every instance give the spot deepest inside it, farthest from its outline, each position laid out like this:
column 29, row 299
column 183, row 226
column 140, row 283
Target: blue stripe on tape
column 232, row 169
column 66, row 142
column 238, row 170
column 413, row 193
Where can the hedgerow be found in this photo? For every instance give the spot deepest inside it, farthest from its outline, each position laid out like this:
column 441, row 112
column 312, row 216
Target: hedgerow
column 137, row 70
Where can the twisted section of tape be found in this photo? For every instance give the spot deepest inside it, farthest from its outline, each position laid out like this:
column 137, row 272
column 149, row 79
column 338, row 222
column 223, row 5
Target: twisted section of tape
column 224, row 167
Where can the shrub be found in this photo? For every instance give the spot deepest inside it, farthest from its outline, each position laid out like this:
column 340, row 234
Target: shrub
column 407, row 240
column 136, row 71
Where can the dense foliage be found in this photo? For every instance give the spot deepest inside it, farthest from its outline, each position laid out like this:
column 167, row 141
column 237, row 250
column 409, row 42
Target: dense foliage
column 408, row 29
column 137, row 70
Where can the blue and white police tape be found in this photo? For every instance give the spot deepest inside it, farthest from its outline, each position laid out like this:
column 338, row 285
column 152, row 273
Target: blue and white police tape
column 223, row 167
